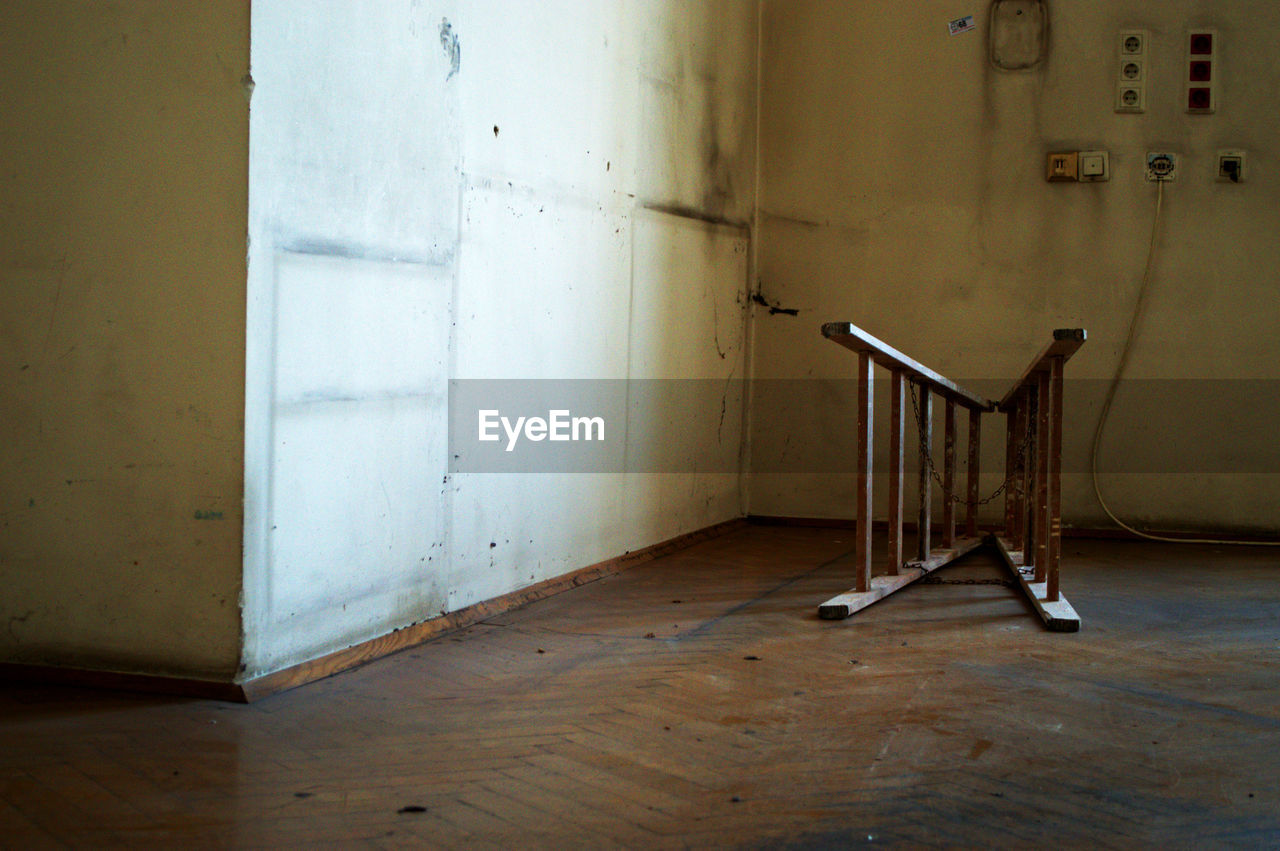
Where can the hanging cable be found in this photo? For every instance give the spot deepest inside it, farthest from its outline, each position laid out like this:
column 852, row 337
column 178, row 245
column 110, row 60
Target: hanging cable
column 1115, row 383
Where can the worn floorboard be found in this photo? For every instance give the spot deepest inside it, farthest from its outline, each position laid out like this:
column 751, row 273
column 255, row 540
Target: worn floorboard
column 699, row 700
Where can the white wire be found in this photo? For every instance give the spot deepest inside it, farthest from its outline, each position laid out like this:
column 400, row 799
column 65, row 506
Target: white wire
column 1111, row 395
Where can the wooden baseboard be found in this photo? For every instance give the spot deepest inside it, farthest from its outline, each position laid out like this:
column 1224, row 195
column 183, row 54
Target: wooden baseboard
column 411, row 636
column 360, row 654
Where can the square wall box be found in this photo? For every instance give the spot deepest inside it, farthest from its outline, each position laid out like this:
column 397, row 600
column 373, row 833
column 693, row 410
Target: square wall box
column 1231, row 163
column 1095, row 166
column 1062, row 166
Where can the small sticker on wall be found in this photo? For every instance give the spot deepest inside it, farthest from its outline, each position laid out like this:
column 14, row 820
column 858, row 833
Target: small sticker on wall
column 961, row 25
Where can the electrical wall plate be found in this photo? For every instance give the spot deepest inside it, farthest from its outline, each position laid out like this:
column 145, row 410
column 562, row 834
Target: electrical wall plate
column 1133, row 50
column 1162, row 166
column 1231, row 165
column 1133, row 42
column 1095, row 166
column 1201, row 76
column 1062, row 166
column 1018, row 34
column 1131, row 97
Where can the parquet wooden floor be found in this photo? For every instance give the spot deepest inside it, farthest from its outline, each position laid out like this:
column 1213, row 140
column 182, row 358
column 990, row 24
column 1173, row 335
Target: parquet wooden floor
column 699, row 701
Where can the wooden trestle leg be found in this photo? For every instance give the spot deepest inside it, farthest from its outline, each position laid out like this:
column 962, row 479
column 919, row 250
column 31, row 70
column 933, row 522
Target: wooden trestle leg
column 865, row 419
column 924, row 518
column 897, row 398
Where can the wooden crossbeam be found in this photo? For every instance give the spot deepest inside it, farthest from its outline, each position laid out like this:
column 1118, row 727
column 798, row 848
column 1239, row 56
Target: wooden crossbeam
column 843, row 605
column 1065, row 343
column 854, row 338
column 1057, row 614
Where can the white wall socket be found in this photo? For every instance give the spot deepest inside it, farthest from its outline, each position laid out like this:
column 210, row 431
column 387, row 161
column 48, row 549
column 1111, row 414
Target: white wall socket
column 1162, row 166
column 1132, row 48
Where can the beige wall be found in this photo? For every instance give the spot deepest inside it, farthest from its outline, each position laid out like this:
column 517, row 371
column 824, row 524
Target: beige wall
column 123, row 158
column 903, row 190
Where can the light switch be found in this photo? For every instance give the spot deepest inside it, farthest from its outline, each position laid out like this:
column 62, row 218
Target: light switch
column 1094, row 166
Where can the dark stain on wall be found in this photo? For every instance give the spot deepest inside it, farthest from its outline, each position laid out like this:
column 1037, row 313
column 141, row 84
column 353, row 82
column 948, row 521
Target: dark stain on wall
column 717, row 196
column 452, row 48
column 687, row 212
column 774, row 308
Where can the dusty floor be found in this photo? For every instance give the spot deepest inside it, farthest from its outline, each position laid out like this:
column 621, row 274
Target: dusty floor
column 699, row 701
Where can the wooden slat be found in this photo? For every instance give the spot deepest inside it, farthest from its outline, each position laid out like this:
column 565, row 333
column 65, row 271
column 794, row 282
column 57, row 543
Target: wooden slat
column 866, row 416
column 1018, row 473
column 843, row 605
column 972, row 470
column 897, row 455
column 949, row 474
column 1010, row 458
column 852, row 337
column 924, row 517
column 1058, row 615
column 1065, row 343
column 1055, row 480
column 1044, row 421
column 1028, row 494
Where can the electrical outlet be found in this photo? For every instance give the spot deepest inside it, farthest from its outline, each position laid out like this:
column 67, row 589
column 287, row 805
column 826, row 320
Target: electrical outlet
column 1131, row 98
column 1062, row 165
column 1231, row 166
column 1131, row 89
column 1162, row 166
column 1133, row 42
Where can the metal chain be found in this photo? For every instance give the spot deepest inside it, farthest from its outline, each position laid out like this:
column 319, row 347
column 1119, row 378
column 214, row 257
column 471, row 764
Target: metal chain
column 933, row 470
column 934, row 580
